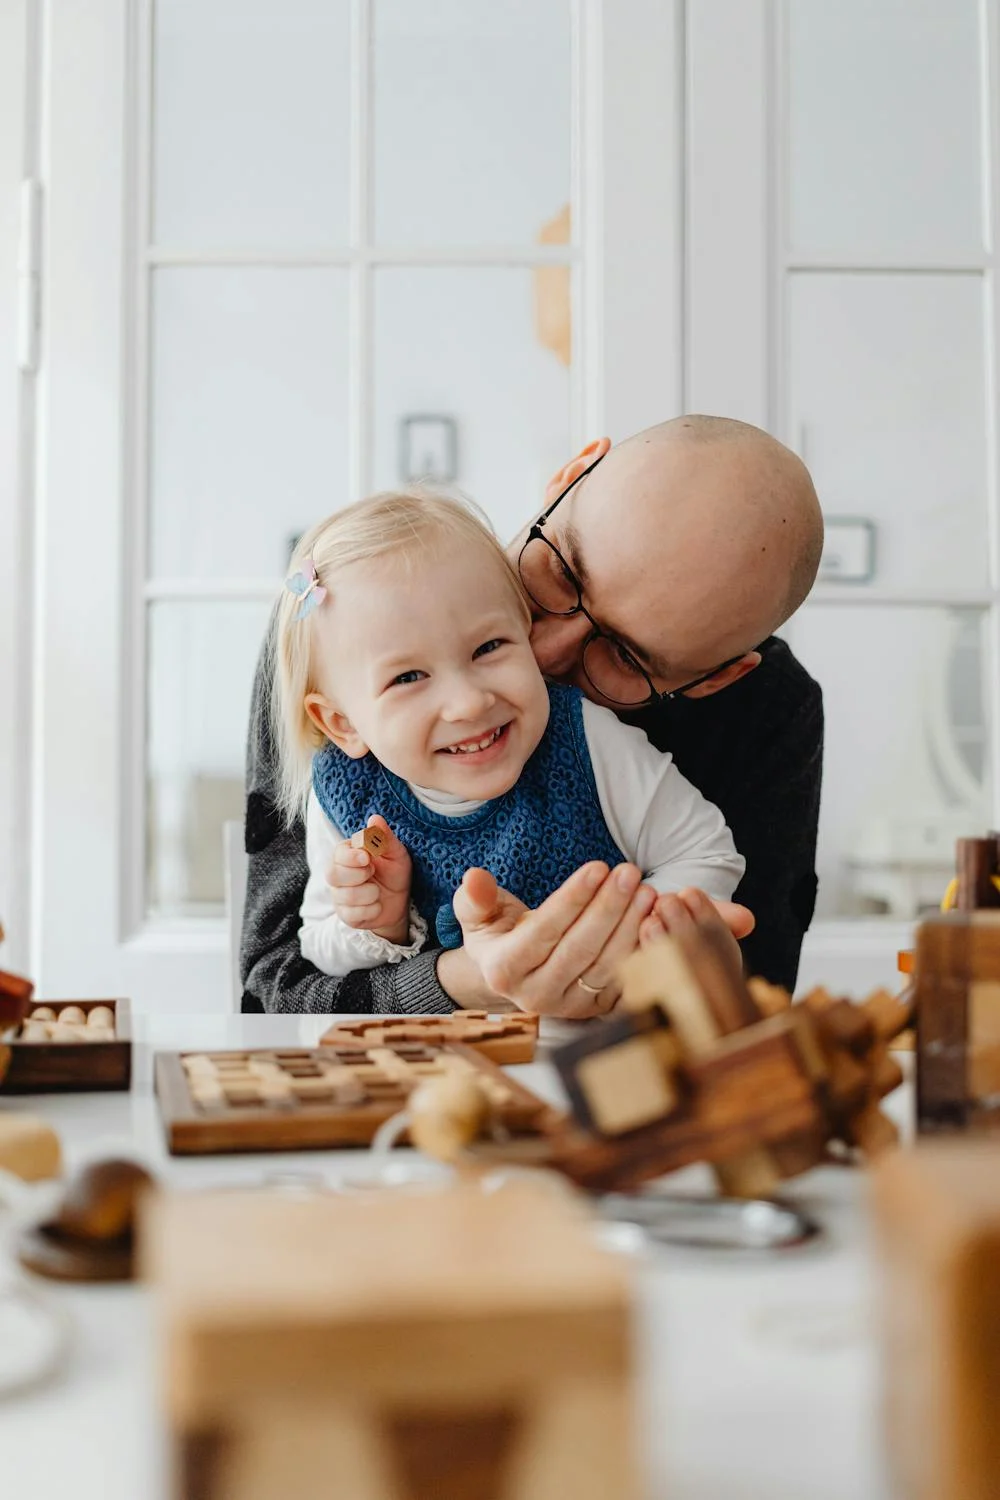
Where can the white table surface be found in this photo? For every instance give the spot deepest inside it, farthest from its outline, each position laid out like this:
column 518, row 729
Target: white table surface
column 758, row 1375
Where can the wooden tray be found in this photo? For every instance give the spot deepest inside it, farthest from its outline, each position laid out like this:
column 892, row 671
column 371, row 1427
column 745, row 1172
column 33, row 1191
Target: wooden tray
column 319, row 1097
column 72, row 1067
column 503, row 1039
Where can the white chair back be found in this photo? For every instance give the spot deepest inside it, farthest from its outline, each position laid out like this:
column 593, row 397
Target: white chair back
column 234, row 860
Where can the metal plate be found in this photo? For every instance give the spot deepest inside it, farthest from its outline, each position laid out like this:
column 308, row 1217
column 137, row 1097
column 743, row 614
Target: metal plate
column 709, row 1223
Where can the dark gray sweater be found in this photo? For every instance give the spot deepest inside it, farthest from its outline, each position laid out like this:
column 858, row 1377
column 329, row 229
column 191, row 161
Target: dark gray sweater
column 755, row 750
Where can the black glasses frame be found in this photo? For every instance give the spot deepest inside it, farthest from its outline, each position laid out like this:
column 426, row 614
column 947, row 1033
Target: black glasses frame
column 597, row 631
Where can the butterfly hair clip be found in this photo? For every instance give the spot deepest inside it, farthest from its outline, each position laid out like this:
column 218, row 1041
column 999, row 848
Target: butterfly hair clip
column 307, row 588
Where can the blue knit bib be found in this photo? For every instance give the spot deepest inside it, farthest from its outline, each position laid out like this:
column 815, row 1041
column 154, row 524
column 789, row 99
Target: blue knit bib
column 531, row 839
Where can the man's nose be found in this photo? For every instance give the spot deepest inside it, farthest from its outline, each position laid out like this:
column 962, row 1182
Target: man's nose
column 558, row 641
column 464, row 700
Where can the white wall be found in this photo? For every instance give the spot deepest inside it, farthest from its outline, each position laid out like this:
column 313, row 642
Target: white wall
column 15, row 636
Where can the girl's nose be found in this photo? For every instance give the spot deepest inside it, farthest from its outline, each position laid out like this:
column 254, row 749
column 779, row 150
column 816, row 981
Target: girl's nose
column 558, row 641
column 465, row 701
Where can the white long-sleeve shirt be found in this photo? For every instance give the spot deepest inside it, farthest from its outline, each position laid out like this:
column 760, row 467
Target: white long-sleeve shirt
column 659, row 821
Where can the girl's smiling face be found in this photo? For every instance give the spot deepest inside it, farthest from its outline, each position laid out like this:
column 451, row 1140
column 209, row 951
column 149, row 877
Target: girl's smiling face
column 427, row 664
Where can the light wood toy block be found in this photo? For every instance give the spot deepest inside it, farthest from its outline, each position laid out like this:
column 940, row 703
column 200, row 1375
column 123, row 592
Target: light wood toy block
column 689, row 981
column 29, row 1147
column 372, row 840
column 937, row 1211
column 957, row 992
column 621, row 1075
column 754, row 1090
column 449, row 1345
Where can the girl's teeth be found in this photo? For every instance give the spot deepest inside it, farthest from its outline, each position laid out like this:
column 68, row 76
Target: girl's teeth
column 483, row 744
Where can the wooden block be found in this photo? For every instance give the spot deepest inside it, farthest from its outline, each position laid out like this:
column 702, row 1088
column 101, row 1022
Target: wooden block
column 372, row 840
column 889, row 1014
column 724, row 988
column 323, row 1360
column 15, row 997
column 872, row 1131
column 768, row 998
column 28, row 1147
column 975, row 865
column 958, row 969
column 845, row 1025
column 755, row 1089
column 983, row 1020
column 659, row 975
column 615, row 1076
column 937, row 1213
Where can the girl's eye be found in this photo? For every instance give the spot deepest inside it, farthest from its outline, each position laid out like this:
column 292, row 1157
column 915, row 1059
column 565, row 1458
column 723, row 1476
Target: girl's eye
column 404, row 677
column 487, row 647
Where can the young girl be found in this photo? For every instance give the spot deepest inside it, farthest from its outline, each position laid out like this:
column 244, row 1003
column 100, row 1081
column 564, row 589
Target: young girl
column 408, row 699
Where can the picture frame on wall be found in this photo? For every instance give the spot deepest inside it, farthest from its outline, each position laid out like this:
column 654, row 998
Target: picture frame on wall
column 848, row 550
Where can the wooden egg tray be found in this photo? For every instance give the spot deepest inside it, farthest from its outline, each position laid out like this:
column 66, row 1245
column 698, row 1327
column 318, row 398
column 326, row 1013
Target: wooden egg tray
column 297, row 1098
column 49, row 1055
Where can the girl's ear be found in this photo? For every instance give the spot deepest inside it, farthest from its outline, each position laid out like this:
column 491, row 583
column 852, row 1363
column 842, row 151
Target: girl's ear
column 565, row 476
column 335, row 725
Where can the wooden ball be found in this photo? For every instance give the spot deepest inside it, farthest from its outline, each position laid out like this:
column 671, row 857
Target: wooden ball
column 446, row 1114
column 72, row 1015
column 33, row 1031
column 101, row 1016
column 100, row 1201
column 61, row 1031
column 43, row 1013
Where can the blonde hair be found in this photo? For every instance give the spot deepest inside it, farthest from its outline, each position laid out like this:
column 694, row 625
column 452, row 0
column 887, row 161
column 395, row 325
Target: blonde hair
column 396, row 523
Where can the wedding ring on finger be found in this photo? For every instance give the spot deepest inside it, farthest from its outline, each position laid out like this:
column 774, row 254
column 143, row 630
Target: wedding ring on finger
column 592, row 989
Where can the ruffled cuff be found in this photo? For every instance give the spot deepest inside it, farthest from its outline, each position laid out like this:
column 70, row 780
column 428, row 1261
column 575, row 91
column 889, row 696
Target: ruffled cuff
column 370, row 946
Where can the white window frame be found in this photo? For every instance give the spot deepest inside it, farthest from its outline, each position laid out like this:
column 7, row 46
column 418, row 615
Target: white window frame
column 90, row 932
column 18, row 322
column 737, row 266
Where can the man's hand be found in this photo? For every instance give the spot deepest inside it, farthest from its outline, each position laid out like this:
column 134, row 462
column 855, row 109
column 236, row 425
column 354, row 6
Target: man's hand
column 372, row 892
column 561, row 958
column 679, row 910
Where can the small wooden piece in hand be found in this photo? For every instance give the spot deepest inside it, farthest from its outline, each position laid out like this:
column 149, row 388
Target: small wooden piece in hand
column 372, row 840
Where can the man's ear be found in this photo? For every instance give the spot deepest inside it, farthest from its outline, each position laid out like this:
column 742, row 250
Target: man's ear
column 335, row 725
column 583, row 460
column 727, row 676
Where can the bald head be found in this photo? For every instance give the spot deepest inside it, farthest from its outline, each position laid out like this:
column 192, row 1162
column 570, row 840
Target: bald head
column 695, row 540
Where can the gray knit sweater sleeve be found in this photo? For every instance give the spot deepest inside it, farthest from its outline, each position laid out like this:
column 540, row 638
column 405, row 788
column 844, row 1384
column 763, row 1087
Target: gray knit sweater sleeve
column 274, row 974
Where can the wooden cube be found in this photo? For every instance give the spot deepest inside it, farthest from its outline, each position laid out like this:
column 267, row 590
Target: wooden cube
column 450, row 1345
column 957, row 987
column 619, row 1074
column 938, row 1217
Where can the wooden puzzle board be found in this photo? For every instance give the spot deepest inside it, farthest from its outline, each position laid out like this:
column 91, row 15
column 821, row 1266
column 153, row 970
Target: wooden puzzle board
column 299, row 1098
column 503, row 1039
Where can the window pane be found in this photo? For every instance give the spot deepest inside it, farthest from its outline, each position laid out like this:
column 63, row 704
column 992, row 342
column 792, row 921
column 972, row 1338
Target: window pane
column 466, row 345
column 472, row 120
column 201, row 659
column 251, row 122
column 906, row 768
column 886, row 382
column 885, row 127
column 249, row 416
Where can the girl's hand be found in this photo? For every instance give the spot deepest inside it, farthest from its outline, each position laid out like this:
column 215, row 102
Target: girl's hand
column 372, row 892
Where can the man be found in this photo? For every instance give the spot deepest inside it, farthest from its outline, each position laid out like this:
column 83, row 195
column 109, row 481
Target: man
column 657, row 574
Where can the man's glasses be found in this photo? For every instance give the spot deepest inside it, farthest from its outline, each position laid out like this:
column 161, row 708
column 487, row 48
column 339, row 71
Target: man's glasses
column 609, row 666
